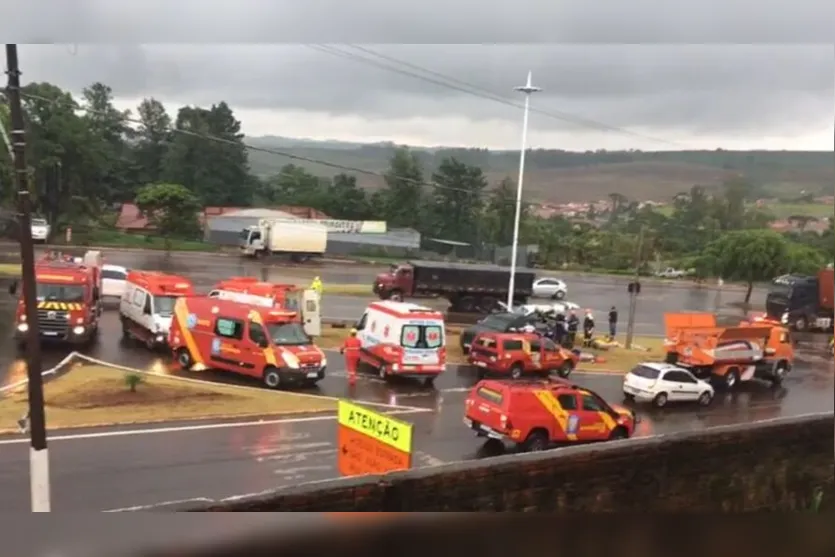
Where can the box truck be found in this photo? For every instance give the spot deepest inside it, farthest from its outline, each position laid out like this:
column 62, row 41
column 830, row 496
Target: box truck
column 469, row 288
column 300, row 241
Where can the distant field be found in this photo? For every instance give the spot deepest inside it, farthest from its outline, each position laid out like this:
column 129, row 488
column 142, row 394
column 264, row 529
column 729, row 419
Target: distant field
column 785, row 210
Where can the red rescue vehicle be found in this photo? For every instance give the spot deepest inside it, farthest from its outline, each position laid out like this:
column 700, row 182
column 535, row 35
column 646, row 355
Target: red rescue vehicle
column 535, row 414
column 69, row 299
column 250, row 290
column 269, row 344
column 518, row 354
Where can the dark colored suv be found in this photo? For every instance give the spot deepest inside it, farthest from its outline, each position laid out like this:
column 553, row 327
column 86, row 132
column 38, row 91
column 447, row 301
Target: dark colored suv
column 499, row 323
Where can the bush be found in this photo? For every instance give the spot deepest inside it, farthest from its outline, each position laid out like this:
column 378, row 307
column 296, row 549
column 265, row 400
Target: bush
column 132, row 380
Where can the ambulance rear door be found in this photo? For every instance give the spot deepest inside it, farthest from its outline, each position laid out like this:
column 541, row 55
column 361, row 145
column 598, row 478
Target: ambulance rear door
column 311, row 312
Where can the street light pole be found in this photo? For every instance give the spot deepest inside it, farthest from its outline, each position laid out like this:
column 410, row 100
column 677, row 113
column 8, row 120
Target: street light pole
column 38, row 455
column 527, row 89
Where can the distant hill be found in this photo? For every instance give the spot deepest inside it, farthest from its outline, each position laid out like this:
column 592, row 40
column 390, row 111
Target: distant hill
column 563, row 176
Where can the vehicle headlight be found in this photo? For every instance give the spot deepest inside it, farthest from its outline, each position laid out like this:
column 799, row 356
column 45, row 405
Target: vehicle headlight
column 78, row 330
column 79, row 320
column 785, row 318
column 324, row 362
column 23, row 327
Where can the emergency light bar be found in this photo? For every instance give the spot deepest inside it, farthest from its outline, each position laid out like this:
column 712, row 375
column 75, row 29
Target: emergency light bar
column 242, row 298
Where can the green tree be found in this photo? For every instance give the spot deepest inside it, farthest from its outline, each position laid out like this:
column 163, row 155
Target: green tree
column 403, row 197
column 745, row 255
column 152, row 140
column 172, row 209
column 457, row 201
column 500, row 213
column 345, row 200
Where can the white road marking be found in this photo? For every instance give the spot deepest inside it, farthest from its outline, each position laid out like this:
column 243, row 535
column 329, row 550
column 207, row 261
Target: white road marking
column 428, row 459
column 158, row 505
column 298, row 473
column 195, row 427
column 297, row 457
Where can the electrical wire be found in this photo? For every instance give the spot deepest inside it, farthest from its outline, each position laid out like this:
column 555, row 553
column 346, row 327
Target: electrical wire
column 390, row 63
column 277, row 152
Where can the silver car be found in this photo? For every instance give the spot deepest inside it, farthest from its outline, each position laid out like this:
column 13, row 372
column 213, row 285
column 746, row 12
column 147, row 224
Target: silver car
column 549, row 288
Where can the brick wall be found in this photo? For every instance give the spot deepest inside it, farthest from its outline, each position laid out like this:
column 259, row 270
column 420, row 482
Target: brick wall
column 774, row 465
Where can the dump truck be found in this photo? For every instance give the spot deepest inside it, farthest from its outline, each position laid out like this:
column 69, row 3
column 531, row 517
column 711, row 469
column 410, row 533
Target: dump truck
column 469, row 288
column 804, row 303
column 299, row 240
column 731, row 355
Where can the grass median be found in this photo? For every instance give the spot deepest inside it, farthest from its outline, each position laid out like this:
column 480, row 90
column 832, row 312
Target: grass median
column 345, row 289
column 95, row 395
column 9, row 270
column 612, row 358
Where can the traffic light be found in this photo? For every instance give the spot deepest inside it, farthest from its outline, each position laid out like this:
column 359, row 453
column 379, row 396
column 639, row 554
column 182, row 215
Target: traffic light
column 634, row 287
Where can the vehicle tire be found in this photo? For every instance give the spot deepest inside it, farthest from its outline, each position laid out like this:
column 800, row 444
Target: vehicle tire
column 671, row 358
column 780, row 370
column 184, row 358
column 559, row 295
column 383, row 372
column 125, row 330
column 705, row 398
column 516, row 371
column 395, row 296
column 660, row 400
column 618, row 433
column 731, row 378
column 801, row 324
column 428, row 381
column 565, row 369
column 628, row 397
column 272, row 378
column 536, row 441
column 467, row 304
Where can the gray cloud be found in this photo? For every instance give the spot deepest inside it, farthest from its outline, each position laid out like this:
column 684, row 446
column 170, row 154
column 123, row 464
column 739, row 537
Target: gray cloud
column 665, row 89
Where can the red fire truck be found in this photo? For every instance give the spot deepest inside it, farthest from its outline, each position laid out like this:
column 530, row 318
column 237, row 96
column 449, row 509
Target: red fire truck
column 68, row 297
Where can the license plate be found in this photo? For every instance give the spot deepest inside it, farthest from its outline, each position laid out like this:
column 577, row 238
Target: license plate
column 312, row 374
column 481, row 364
column 50, row 333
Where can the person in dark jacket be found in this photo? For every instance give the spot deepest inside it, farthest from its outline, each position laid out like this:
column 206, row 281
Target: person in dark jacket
column 613, row 323
column 572, row 325
column 559, row 329
column 588, row 328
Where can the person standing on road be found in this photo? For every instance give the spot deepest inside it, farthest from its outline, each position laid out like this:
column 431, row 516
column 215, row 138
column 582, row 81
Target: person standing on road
column 588, row 328
column 559, row 329
column 351, row 350
column 613, row 323
column 317, row 286
column 573, row 325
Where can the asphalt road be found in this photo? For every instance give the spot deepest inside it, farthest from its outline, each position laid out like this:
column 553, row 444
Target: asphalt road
column 595, row 292
column 146, row 466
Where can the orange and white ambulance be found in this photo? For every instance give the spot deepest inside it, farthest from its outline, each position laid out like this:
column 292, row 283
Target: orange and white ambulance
column 403, row 339
column 265, row 343
column 250, row 290
column 147, row 305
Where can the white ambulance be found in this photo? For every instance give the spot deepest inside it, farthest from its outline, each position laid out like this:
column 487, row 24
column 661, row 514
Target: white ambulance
column 403, row 339
column 147, row 305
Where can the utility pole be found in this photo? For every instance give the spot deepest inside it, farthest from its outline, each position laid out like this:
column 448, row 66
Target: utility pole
column 634, row 290
column 38, row 455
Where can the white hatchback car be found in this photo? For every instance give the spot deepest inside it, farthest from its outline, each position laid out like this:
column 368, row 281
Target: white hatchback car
column 113, row 281
column 550, row 287
column 660, row 383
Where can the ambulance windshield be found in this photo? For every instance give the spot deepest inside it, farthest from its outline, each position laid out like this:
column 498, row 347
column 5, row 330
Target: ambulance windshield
column 288, row 334
column 60, row 293
column 164, row 305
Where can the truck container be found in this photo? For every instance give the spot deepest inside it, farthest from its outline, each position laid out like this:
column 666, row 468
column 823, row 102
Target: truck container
column 802, row 302
column 300, row 241
column 469, row 288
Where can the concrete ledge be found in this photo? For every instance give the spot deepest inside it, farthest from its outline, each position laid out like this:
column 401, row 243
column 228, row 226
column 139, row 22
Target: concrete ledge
column 782, row 464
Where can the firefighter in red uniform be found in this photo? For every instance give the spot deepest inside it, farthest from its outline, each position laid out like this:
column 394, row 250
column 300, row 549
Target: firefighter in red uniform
column 351, row 350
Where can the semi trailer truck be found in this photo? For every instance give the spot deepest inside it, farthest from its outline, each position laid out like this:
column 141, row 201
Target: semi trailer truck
column 804, row 303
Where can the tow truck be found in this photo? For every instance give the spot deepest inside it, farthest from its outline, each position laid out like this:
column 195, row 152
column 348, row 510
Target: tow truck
column 68, row 297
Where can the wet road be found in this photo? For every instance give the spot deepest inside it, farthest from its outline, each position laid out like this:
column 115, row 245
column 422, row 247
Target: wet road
column 595, row 292
column 130, row 467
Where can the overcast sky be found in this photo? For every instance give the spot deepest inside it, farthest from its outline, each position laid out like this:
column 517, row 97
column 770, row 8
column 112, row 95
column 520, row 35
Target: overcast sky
column 656, row 96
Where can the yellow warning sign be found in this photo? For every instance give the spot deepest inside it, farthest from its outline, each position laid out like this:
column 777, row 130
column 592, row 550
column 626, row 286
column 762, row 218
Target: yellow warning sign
column 394, row 433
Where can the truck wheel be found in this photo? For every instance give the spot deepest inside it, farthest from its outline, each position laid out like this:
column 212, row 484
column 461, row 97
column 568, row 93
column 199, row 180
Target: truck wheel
column 395, row 296
column 559, row 295
column 801, row 325
column 516, row 371
column 184, row 358
column 536, row 441
column 731, row 378
column 272, row 378
column 565, row 369
column 779, row 374
column 618, row 433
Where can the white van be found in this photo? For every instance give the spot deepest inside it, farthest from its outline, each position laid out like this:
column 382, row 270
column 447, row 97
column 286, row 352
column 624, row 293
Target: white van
column 403, row 339
column 113, row 281
column 147, row 305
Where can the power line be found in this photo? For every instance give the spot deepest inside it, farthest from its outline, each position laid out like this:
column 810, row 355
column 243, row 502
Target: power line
column 292, row 156
column 453, row 83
